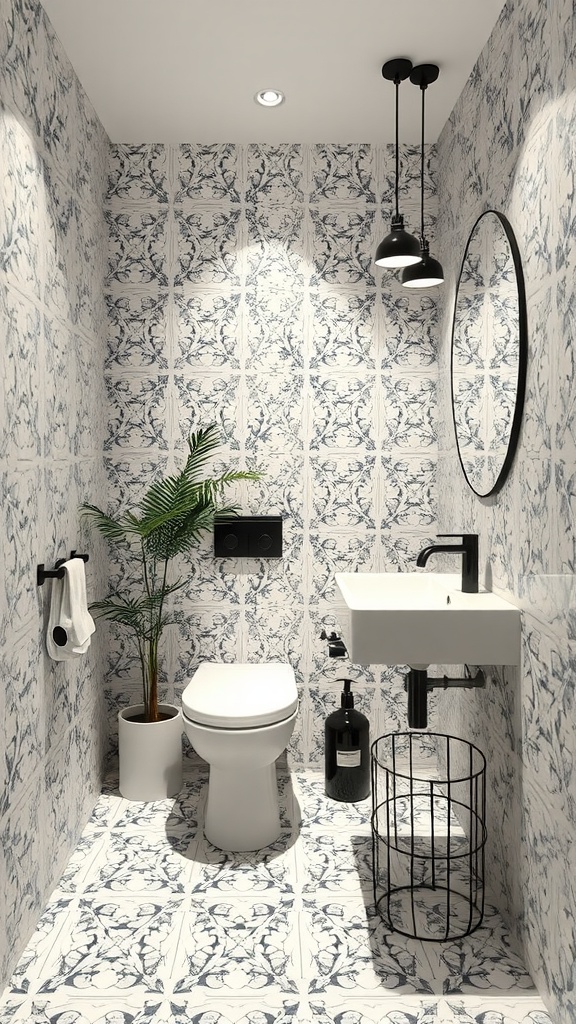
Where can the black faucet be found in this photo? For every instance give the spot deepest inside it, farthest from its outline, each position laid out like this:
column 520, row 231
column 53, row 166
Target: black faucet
column 468, row 548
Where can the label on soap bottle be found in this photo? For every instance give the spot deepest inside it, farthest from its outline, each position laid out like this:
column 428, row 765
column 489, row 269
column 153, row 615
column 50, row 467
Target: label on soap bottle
column 348, row 758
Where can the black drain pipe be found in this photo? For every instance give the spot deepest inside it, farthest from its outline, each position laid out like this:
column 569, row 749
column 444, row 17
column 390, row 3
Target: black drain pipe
column 418, row 683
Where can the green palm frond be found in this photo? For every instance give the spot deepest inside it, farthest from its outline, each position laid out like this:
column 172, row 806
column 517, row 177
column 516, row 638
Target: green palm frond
column 169, row 520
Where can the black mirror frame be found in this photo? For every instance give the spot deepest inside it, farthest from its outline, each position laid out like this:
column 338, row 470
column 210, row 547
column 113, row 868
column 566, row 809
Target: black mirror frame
column 522, row 356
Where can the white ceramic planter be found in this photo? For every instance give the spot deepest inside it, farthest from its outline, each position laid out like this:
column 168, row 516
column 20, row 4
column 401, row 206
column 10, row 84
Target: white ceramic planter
column 150, row 754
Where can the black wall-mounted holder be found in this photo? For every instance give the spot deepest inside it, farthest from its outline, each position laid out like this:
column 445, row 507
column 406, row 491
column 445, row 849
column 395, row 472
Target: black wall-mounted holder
column 248, row 537
column 418, row 684
column 57, row 573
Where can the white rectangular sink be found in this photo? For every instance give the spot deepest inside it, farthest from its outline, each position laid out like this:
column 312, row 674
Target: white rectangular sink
column 424, row 618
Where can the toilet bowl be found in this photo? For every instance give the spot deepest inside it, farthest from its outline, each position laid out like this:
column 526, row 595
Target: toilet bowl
column 239, row 718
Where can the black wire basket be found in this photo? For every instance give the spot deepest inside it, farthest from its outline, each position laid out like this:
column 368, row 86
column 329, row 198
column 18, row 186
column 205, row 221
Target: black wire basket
column 428, row 834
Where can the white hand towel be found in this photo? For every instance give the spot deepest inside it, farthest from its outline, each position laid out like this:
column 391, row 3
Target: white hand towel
column 70, row 624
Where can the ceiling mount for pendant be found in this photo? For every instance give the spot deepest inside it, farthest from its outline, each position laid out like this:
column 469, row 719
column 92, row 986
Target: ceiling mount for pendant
column 399, row 248
column 428, row 271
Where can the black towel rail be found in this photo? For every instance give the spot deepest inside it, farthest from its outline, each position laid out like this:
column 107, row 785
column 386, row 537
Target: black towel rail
column 57, row 573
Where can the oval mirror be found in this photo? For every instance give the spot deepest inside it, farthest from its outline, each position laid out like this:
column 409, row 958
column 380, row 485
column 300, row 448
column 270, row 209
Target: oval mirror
column 489, row 353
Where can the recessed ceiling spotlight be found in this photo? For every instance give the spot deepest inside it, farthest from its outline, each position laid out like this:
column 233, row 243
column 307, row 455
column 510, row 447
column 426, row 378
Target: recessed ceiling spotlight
column 269, row 97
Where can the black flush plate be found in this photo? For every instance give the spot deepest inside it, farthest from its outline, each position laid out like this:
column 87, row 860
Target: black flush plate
column 248, row 537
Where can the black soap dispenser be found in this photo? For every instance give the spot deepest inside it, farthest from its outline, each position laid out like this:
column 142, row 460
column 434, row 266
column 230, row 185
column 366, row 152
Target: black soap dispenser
column 347, row 751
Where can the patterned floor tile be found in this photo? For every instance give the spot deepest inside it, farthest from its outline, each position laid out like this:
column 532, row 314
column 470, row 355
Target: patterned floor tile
column 269, row 873
column 150, row 923
column 232, row 946
column 335, row 863
column 492, row 1008
column 346, row 948
column 118, row 1008
column 100, row 945
column 319, row 811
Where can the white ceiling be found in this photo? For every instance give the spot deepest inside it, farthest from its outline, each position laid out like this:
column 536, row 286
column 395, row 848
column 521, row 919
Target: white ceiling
column 187, row 70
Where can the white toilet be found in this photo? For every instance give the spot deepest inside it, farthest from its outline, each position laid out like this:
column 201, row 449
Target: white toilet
column 239, row 718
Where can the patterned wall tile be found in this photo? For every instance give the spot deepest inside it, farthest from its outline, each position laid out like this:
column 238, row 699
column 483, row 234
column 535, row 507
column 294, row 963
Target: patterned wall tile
column 274, row 174
column 138, row 173
column 207, row 246
column 207, row 174
column 523, row 107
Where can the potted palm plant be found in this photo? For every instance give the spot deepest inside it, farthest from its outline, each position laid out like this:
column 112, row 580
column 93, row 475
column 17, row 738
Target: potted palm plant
column 169, row 521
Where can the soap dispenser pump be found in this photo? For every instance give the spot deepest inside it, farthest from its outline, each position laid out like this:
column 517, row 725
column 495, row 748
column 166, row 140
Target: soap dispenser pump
column 347, row 751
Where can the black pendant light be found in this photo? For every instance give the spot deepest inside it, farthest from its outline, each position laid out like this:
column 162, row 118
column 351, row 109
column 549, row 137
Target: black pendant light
column 399, row 248
column 428, row 271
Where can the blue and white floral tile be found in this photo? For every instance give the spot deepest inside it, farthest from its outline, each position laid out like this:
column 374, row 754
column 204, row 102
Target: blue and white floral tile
column 138, row 247
column 334, row 551
column 409, row 412
column 274, row 581
column 399, row 546
column 87, row 397
column 342, row 246
column 342, row 172
column 275, row 245
column 273, row 328
column 485, row 960
column 274, row 411
column 135, row 1008
column 565, row 392
column 319, row 811
column 204, row 634
column 137, row 327
column 20, row 206
column 342, row 330
column 208, row 173
column 386, row 1009
column 137, row 412
column 565, row 482
column 234, row 946
column 335, row 864
column 23, row 864
column 267, row 874
column 280, row 490
column 138, row 173
column 274, row 174
column 346, row 948
column 208, row 246
column 539, row 416
column 59, row 368
column 407, row 330
column 19, row 413
column 538, row 494
column 207, row 579
column 274, row 633
column 343, row 491
column 207, row 331
column 21, row 541
column 134, row 862
column 491, row 1009
column 531, row 204
column 203, row 398
column 409, row 492
column 129, row 475
column 91, row 945
column 342, row 409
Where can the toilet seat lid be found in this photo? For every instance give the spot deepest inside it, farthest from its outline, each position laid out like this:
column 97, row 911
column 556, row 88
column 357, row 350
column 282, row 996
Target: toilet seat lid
column 238, row 696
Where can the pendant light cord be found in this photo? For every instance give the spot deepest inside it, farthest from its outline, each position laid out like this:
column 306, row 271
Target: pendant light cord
column 397, row 84
column 422, row 236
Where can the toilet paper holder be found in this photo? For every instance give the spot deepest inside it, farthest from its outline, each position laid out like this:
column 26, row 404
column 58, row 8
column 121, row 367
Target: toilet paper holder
column 57, row 573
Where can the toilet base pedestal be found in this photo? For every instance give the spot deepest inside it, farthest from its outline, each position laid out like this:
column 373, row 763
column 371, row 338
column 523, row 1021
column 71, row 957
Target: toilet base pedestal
column 242, row 810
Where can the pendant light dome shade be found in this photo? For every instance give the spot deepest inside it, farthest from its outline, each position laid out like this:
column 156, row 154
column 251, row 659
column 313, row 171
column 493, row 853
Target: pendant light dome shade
column 428, row 271
column 399, row 248
column 424, row 274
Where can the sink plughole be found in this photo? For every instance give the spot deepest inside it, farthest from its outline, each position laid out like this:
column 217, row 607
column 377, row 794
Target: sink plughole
column 419, row 619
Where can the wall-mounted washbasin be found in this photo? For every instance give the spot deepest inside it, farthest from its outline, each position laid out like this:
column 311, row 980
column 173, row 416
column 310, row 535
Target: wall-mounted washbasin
column 420, row 619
